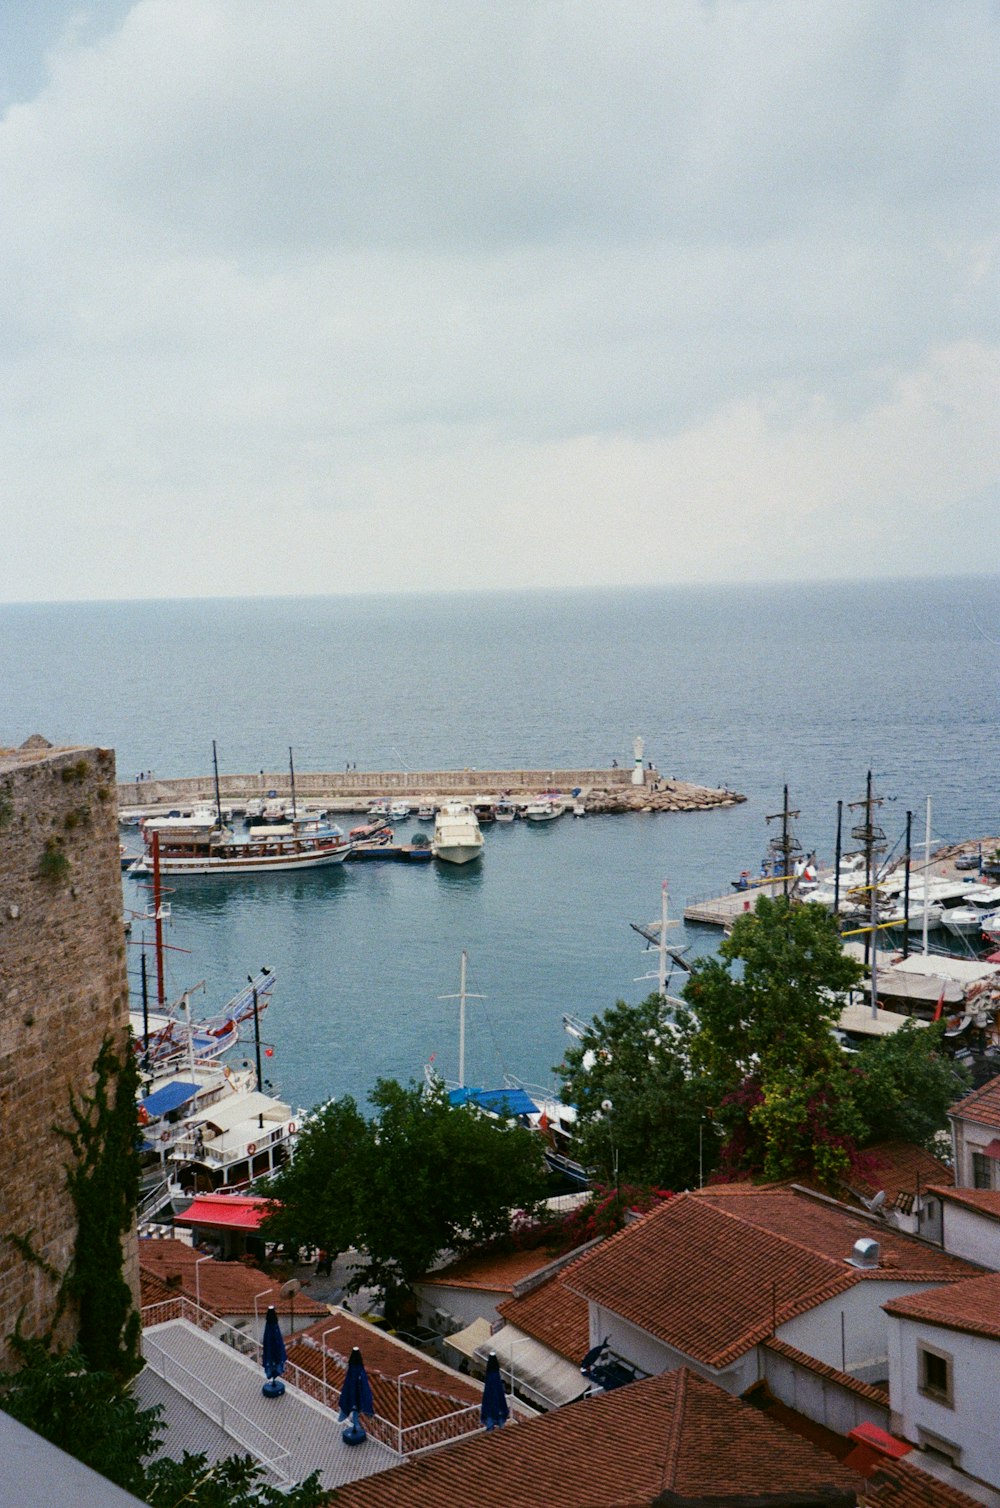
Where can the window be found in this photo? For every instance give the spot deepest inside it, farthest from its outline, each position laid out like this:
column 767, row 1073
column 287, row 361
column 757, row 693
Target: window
column 982, row 1171
column 935, row 1369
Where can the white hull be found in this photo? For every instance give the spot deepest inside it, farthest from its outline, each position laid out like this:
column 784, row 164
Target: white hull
column 253, row 863
column 458, row 853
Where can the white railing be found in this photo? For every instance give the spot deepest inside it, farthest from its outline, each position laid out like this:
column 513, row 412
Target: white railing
column 270, row 1452
column 405, row 1440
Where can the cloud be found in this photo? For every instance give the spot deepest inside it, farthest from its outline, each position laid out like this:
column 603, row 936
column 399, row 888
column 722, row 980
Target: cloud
column 690, row 291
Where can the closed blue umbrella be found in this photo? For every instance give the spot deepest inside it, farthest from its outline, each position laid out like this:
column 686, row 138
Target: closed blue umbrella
column 273, row 1355
column 355, row 1399
column 493, row 1410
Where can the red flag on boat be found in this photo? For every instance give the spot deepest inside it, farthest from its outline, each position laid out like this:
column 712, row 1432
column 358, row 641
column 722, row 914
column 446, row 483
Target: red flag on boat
column 940, row 1005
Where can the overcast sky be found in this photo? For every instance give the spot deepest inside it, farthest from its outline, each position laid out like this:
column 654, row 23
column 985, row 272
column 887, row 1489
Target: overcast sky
column 343, row 295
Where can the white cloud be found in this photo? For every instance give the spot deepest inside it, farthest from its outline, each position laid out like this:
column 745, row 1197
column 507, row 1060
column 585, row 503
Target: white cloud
column 688, row 292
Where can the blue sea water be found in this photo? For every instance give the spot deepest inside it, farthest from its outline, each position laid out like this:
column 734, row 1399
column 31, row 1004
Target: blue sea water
column 750, row 687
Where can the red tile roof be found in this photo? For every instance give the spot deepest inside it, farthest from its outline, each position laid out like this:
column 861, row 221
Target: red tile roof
column 553, row 1315
column 385, row 1355
column 972, row 1306
column 902, row 1484
column 983, row 1201
column 900, row 1167
column 670, row 1438
column 830, row 1229
column 689, row 1275
column 224, row 1287
column 419, row 1404
column 981, row 1106
column 497, row 1272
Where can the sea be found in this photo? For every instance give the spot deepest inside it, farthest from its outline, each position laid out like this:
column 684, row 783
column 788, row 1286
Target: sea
column 749, row 687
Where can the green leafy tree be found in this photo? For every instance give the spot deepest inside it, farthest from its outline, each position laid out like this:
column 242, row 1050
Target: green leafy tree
column 904, row 1085
column 421, row 1178
column 640, row 1114
column 758, row 1031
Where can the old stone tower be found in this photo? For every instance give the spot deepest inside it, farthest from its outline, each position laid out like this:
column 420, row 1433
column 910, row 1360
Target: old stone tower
column 63, row 988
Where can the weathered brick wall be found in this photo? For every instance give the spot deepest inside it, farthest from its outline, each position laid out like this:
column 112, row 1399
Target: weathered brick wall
column 63, row 986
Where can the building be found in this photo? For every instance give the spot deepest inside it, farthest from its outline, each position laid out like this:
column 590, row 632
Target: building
column 63, row 990
column 975, row 1138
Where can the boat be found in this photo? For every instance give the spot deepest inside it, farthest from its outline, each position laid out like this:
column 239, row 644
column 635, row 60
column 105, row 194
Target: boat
column 457, row 838
column 542, row 810
column 399, row 811
column 200, row 846
column 505, row 811
column 231, row 1143
column 485, row 811
column 378, row 811
column 968, row 920
column 165, row 1039
column 425, row 813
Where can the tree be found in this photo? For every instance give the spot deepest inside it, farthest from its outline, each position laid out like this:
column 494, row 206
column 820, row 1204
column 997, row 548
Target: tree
column 904, row 1085
column 639, row 1113
column 758, row 1029
column 422, row 1177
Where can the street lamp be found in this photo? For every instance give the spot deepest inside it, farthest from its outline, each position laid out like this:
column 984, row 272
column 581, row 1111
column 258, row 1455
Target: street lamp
column 322, row 1341
column 197, row 1278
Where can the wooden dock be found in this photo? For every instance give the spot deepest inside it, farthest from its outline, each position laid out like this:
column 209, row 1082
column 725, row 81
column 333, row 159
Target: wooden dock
column 722, row 910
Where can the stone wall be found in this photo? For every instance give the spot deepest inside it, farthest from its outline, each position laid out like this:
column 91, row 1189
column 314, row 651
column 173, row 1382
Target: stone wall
column 63, row 987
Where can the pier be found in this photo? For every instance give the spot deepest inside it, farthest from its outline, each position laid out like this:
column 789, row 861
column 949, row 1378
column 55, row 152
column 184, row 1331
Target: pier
column 722, row 910
column 601, row 790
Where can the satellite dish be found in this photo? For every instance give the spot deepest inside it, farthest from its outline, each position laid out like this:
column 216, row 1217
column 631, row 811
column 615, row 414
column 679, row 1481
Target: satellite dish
column 291, row 1288
column 876, row 1202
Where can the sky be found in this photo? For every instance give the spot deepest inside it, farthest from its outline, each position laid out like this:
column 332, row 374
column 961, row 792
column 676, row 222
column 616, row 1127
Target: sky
column 405, row 295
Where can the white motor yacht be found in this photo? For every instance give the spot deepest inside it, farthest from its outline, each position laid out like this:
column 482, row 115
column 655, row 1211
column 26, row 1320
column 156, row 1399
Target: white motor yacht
column 457, row 836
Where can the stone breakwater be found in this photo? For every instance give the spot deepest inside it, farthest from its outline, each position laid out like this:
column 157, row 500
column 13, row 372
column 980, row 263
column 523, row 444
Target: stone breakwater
column 660, row 796
column 352, row 790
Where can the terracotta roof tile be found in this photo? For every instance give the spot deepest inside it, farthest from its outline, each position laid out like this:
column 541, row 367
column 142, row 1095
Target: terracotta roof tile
column 830, row 1229
column 981, row 1106
column 224, row 1287
column 972, row 1306
column 901, row 1484
column 494, row 1271
column 674, row 1434
column 419, row 1404
column 385, row 1355
column 898, row 1168
column 687, row 1273
column 553, row 1315
column 983, row 1201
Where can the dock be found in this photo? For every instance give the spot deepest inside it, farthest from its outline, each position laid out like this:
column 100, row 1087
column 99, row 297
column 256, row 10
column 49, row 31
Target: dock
column 722, row 910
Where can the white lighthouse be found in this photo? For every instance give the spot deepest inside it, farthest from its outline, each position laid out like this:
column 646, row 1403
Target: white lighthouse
column 638, row 770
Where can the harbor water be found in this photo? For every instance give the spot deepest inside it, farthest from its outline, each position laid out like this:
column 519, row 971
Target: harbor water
column 744, row 687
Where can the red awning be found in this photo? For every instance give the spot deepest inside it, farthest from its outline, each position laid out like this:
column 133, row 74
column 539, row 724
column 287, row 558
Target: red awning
column 225, row 1212
column 993, row 1148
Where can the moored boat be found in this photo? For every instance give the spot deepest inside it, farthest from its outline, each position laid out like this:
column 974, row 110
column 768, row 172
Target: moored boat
column 201, row 845
column 542, row 810
column 457, row 838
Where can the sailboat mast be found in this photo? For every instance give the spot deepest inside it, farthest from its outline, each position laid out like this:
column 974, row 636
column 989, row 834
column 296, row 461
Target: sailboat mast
column 906, row 887
column 291, row 770
column 218, row 798
column 662, row 981
column 461, row 1023
column 161, row 993
column 927, row 872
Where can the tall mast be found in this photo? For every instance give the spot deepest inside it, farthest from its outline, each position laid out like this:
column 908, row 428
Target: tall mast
column 906, row 887
column 461, row 1023
column 218, row 798
column 662, row 975
column 836, row 861
column 786, row 845
column 291, row 769
column 161, row 994
column 873, row 839
column 927, row 873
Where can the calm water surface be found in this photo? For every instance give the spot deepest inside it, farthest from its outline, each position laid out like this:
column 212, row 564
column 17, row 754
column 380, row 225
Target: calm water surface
column 747, row 687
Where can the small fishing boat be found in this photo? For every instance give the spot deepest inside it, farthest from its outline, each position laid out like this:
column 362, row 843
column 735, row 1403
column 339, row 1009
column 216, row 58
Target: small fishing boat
column 425, row 813
column 399, row 811
column 542, row 810
column 505, row 811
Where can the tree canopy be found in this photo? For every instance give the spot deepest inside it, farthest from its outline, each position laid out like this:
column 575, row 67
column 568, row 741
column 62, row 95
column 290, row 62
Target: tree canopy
column 748, row 1075
column 419, row 1178
column 639, row 1110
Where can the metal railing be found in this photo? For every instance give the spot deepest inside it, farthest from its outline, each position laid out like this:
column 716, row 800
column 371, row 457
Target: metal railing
column 270, row 1452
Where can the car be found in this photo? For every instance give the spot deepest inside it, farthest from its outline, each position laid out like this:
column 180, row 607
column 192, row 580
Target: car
column 967, row 861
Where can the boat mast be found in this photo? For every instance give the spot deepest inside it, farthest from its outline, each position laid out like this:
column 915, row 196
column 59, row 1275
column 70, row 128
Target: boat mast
column 786, row 845
column 291, row 768
column 906, row 887
column 461, row 1022
column 927, row 872
column 218, row 798
column 161, row 994
column 662, row 976
column 873, row 839
column 836, row 862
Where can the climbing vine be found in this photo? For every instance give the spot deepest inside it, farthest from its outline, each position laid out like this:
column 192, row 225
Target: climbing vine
column 103, row 1182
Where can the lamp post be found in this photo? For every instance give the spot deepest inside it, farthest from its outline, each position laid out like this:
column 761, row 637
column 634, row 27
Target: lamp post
column 322, row 1341
column 197, row 1278
column 399, row 1401
column 607, row 1107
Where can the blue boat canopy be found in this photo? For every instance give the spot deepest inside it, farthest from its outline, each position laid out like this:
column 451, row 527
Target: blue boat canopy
column 497, row 1101
column 168, row 1098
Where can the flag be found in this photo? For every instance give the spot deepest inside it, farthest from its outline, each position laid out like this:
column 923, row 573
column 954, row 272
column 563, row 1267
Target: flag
column 940, row 1005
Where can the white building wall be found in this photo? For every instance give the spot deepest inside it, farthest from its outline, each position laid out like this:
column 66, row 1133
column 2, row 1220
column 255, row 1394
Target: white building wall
column 857, row 1343
column 973, row 1236
column 819, row 1398
column 650, row 1355
column 463, row 1304
column 969, row 1424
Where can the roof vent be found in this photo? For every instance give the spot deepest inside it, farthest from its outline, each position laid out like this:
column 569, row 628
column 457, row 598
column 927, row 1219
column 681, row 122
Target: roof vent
column 864, row 1253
